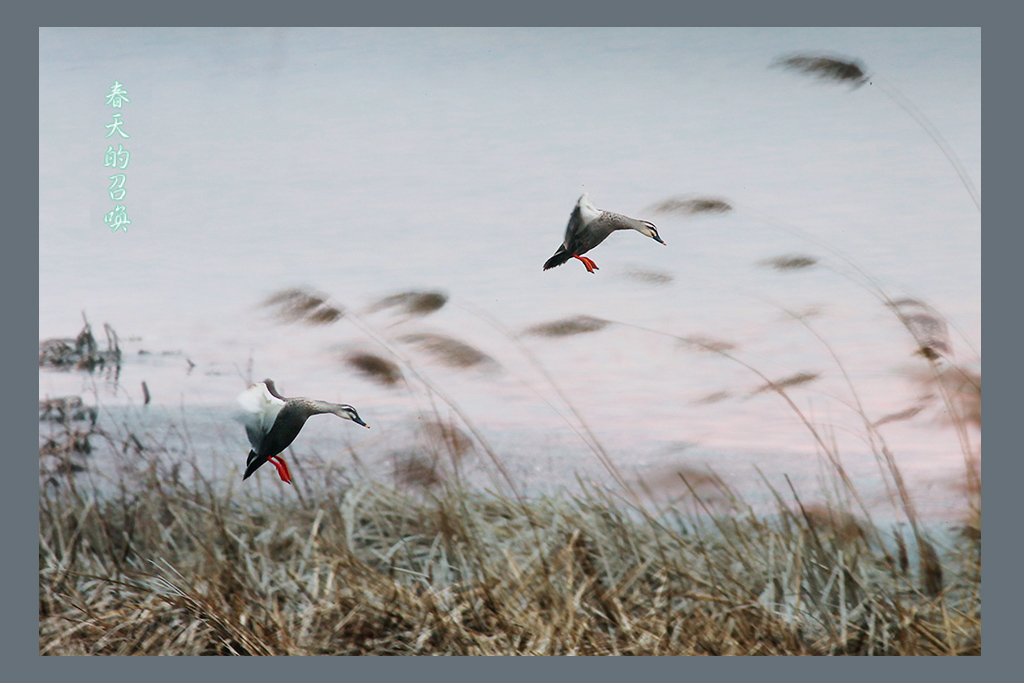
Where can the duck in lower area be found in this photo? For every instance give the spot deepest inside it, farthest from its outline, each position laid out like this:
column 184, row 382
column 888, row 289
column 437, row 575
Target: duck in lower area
column 272, row 422
column 588, row 227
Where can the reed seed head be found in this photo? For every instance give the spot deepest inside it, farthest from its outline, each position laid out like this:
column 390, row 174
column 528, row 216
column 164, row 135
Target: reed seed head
column 565, row 327
column 826, row 68
column 448, row 350
column 413, row 302
column 301, row 305
column 374, row 367
column 691, row 206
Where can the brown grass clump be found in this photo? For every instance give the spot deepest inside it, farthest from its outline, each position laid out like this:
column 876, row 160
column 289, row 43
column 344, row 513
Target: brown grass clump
column 841, row 525
column 579, row 324
column 171, row 564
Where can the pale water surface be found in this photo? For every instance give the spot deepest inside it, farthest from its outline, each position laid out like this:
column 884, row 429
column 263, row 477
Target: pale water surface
column 361, row 163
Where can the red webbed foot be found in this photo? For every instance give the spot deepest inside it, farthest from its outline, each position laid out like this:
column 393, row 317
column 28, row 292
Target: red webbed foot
column 591, row 266
column 282, row 468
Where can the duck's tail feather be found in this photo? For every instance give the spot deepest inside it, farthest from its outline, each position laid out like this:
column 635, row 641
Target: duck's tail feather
column 560, row 257
column 252, row 464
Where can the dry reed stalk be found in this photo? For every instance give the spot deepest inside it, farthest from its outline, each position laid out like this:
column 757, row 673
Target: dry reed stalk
column 370, row 571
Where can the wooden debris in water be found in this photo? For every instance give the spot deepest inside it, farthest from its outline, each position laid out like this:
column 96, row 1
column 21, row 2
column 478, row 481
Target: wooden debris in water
column 82, row 352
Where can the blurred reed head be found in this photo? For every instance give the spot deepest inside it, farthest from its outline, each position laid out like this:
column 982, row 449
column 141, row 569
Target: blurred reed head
column 789, row 262
column 691, row 206
column 961, row 384
column 826, row 68
column 302, row 305
column 416, row 470
column 649, row 277
column 374, row 367
column 703, row 342
column 714, row 397
column 417, row 303
column 927, row 327
column 445, row 434
column 449, row 351
column 793, row 380
column 682, row 481
column 565, row 327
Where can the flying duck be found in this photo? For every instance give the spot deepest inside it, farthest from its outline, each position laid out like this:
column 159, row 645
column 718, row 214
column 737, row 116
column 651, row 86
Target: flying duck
column 588, row 227
column 272, row 422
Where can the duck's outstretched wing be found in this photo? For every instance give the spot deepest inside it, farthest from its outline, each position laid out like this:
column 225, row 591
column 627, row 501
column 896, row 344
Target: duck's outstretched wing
column 259, row 409
column 572, row 232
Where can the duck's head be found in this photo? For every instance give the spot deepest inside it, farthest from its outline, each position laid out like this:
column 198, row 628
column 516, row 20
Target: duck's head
column 647, row 228
column 349, row 413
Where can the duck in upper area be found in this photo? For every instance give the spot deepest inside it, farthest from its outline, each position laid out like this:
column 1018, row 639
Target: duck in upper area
column 588, row 227
column 272, row 422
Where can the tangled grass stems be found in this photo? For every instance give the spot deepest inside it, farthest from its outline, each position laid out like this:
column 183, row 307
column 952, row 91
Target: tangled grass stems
column 173, row 567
